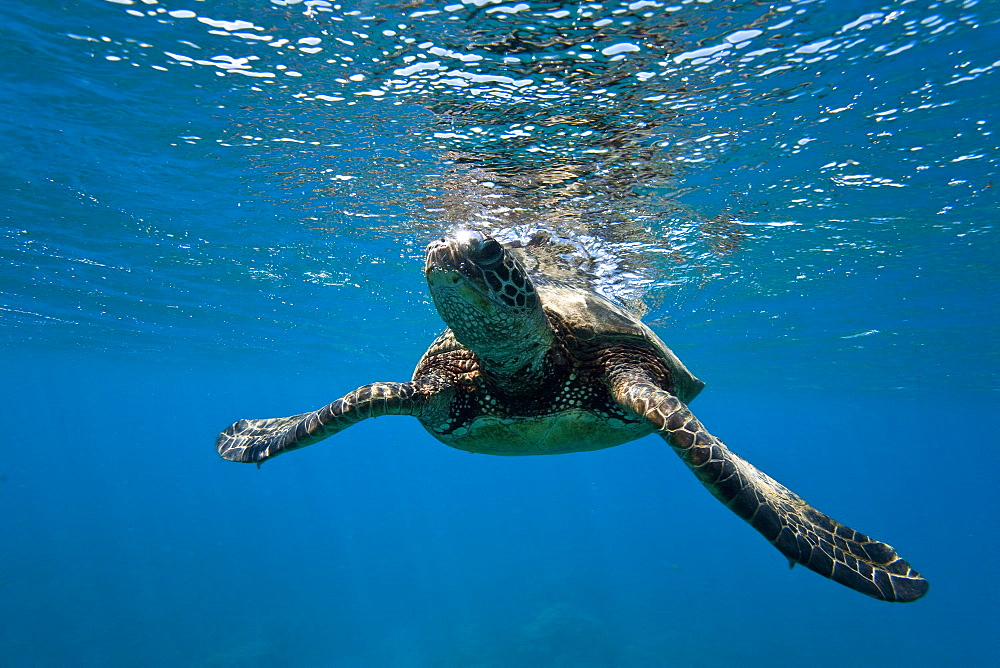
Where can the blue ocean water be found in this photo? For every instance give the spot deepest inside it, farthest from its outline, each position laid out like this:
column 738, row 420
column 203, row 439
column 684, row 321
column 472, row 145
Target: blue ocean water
column 217, row 209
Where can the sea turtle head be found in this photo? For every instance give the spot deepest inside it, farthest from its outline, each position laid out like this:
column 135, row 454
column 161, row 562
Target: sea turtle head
column 484, row 294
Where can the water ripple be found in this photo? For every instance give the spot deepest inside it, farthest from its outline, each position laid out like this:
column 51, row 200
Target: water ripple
column 674, row 147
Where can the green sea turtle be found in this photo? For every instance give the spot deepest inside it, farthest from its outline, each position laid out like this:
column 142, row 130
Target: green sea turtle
column 531, row 365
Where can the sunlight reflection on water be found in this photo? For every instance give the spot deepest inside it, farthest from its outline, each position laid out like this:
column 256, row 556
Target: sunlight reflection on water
column 674, row 145
column 584, row 115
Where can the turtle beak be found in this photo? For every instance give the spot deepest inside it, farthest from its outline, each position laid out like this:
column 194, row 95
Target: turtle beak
column 446, row 254
column 446, row 271
column 440, row 255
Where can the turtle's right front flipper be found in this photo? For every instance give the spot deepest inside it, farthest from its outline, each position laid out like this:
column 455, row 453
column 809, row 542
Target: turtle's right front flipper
column 799, row 531
column 254, row 441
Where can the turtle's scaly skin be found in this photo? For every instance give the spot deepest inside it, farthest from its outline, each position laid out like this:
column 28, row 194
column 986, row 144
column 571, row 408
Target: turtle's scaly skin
column 799, row 531
column 257, row 440
column 531, row 366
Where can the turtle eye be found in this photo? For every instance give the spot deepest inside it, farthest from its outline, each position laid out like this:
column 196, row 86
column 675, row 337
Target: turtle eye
column 490, row 252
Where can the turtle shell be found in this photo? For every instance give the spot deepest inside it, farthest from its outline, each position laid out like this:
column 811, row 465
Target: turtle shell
column 595, row 322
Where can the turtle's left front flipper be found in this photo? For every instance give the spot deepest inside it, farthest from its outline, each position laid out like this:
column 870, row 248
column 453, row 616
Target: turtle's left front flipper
column 799, row 531
column 254, row 441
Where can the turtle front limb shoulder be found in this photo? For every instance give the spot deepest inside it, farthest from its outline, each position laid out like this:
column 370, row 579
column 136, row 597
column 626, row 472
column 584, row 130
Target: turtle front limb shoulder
column 799, row 531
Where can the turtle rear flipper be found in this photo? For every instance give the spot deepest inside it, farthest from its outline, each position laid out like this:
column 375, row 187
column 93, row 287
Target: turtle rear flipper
column 254, row 441
column 799, row 531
